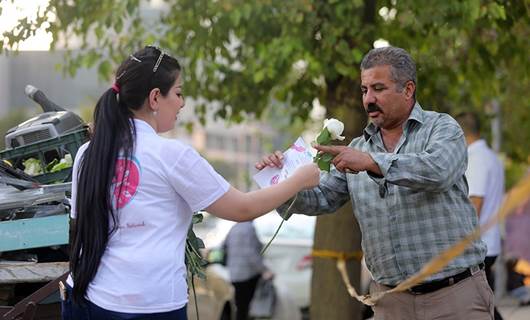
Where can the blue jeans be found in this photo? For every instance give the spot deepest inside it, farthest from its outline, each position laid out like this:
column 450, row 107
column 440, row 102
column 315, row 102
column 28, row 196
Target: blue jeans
column 90, row 311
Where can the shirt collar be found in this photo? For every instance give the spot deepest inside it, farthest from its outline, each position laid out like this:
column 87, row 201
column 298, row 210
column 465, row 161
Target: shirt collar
column 478, row 144
column 416, row 115
column 142, row 126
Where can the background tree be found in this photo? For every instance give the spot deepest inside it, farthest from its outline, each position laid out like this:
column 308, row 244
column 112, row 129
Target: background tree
column 245, row 54
column 11, row 120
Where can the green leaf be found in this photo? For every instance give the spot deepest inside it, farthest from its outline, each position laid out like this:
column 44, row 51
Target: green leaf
column 200, row 243
column 259, row 76
column 197, row 218
column 90, row 59
column 324, row 165
column 324, row 138
column 327, row 157
column 189, row 127
column 104, row 69
column 118, row 26
column 50, row 165
column 131, row 7
column 342, row 68
column 474, row 9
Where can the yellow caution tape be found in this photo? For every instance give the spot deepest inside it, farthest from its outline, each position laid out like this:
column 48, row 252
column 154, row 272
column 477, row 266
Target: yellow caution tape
column 358, row 255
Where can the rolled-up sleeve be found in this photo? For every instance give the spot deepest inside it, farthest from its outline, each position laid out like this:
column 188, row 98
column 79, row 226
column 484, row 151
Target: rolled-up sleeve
column 439, row 166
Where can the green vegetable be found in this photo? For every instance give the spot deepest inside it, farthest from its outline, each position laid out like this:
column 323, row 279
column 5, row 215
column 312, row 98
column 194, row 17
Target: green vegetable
column 32, row 167
column 65, row 162
column 51, row 165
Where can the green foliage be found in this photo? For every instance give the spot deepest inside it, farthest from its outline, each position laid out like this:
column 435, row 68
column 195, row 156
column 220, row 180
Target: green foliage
column 323, row 160
column 10, row 120
column 515, row 171
column 194, row 260
column 324, row 137
column 86, row 113
column 246, row 54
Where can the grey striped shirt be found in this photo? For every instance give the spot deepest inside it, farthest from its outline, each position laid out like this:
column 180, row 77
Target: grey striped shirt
column 417, row 209
column 243, row 247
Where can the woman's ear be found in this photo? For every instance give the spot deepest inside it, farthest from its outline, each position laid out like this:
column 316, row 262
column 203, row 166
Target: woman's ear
column 154, row 94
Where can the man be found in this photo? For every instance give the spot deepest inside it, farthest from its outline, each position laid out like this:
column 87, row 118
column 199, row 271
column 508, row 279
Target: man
column 405, row 179
column 485, row 177
column 245, row 264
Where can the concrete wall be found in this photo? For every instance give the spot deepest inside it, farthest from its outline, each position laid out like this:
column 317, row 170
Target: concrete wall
column 40, row 69
column 5, row 75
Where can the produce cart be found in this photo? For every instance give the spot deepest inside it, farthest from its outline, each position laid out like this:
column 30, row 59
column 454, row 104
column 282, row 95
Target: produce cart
column 35, row 175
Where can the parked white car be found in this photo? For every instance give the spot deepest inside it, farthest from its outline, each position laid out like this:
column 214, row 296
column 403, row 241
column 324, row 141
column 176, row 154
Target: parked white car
column 289, row 255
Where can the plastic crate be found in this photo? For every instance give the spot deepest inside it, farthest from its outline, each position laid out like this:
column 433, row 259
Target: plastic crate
column 47, row 150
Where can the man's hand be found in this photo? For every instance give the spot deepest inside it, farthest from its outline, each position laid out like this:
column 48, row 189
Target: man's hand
column 267, row 275
column 349, row 160
column 272, row 160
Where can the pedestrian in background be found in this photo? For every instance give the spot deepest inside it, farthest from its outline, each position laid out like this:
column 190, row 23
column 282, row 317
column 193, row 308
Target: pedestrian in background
column 485, row 177
column 245, row 264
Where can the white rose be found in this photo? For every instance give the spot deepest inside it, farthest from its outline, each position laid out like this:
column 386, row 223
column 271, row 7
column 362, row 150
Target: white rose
column 335, row 128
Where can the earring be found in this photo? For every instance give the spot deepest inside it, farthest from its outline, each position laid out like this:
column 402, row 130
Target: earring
column 155, row 113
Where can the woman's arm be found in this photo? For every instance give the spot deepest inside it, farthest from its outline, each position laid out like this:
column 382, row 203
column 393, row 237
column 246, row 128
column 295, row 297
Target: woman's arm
column 239, row 206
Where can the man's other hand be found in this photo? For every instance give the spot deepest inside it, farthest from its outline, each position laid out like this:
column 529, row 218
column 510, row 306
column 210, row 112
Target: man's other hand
column 272, row 160
column 350, row 160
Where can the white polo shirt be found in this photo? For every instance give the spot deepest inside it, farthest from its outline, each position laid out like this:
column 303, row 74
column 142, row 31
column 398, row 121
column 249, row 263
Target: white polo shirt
column 142, row 269
column 485, row 175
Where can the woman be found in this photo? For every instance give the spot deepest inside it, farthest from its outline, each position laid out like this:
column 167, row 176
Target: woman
column 133, row 195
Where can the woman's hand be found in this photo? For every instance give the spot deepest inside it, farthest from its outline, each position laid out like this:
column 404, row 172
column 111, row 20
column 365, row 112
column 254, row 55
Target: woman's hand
column 308, row 175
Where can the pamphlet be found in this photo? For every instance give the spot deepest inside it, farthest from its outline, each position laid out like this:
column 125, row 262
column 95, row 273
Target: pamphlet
column 298, row 154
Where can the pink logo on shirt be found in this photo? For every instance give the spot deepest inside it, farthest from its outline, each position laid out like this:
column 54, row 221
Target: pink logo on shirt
column 125, row 182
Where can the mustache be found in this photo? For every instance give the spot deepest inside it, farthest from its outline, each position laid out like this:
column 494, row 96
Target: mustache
column 372, row 107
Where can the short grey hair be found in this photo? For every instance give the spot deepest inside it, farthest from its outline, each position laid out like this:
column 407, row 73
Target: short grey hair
column 403, row 67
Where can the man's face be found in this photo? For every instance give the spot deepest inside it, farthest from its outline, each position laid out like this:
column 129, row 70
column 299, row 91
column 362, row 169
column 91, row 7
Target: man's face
column 386, row 106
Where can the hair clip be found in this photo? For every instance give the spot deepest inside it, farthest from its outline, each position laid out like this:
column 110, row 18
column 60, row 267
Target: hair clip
column 158, row 61
column 121, row 75
column 134, row 58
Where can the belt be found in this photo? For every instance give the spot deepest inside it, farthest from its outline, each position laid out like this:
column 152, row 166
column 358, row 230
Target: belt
column 446, row 282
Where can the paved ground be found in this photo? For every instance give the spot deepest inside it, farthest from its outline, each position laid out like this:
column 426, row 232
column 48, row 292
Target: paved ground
column 510, row 310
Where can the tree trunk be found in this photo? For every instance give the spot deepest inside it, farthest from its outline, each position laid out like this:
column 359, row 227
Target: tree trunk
column 338, row 231
column 329, row 297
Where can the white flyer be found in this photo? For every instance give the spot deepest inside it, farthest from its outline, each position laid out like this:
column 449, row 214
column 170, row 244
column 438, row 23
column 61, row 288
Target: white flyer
column 298, row 154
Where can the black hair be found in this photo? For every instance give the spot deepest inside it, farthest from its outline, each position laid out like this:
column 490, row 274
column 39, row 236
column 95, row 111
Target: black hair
column 469, row 121
column 113, row 136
